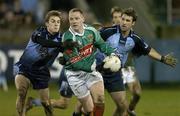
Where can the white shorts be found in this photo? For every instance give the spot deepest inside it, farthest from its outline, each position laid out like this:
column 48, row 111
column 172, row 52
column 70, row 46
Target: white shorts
column 81, row 81
column 128, row 74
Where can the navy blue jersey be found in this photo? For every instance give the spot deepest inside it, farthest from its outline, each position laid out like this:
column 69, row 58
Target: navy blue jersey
column 36, row 55
column 132, row 43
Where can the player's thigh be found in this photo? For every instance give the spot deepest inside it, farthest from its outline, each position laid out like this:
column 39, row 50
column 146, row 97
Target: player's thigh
column 77, row 83
column 135, row 87
column 97, row 92
column 96, row 85
column 87, row 103
column 22, row 83
column 44, row 94
column 119, row 98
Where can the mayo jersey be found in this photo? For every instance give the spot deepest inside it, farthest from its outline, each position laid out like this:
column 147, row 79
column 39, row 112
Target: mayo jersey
column 82, row 57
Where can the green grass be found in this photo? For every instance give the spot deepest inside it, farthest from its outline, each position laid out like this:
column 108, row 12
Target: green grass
column 158, row 100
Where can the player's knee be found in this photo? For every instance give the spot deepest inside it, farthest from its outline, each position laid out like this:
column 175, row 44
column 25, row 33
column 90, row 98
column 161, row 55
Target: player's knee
column 100, row 99
column 90, row 108
column 22, row 93
column 122, row 104
column 137, row 93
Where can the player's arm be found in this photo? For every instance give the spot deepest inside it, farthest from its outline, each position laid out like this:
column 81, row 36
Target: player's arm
column 39, row 36
column 142, row 48
column 168, row 59
column 69, row 41
column 101, row 45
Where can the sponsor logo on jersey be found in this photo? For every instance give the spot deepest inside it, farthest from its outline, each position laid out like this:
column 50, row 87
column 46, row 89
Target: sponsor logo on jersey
column 83, row 52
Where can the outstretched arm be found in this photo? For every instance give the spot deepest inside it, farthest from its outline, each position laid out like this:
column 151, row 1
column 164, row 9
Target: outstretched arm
column 168, row 59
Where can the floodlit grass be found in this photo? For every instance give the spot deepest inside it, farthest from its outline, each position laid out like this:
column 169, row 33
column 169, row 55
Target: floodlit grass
column 155, row 101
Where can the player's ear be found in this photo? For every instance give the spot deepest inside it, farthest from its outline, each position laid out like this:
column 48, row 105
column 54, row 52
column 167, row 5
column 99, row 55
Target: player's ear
column 46, row 24
column 83, row 19
column 133, row 23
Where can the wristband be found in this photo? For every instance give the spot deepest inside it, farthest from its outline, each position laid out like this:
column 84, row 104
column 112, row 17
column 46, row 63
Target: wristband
column 162, row 59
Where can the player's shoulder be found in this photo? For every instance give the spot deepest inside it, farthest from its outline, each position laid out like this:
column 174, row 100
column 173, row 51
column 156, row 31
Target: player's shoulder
column 114, row 28
column 41, row 29
column 68, row 35
column 106, row 32
column 89, row 28
column 135, row 36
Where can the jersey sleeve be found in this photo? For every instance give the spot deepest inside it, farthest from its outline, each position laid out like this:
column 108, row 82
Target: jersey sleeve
column 39, row 36
column 106, row 32
column 141, row 47
column 101, row 45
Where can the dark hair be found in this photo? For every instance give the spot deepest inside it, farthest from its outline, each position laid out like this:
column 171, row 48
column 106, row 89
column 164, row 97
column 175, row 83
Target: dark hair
column 115, row 9
column 52, row 13
column 76, row 10
column 130, row 12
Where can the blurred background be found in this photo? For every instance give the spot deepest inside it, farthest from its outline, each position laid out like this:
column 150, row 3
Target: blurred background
column 158, row 23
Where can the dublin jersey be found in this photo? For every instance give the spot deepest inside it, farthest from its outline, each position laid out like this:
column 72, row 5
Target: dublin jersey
column 82, row 57
column 37, row 55
column 132, row 43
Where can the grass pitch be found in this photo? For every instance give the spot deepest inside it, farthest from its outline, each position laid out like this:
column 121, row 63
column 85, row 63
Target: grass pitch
column 158, row 100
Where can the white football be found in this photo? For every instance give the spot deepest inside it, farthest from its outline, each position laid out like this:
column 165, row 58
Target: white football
column 112, row 62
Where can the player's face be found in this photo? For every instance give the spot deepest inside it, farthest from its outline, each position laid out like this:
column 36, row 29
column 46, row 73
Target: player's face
column 116, row 18
column 126, row 22
column 53, row 25
column 76, row 21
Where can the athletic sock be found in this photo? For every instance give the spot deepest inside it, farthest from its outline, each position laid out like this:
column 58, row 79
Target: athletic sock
column 76, row 114
column 98, row 109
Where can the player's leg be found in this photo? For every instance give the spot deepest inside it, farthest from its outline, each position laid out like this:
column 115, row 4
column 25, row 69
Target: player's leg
column 115, row 87
column 97, row 92
column 65, row 93
column 61, row 103
column 78, row 109
column 45, row 101
column 134, row 88
column 22, row 84
column 78, row 83
column 120, row 100
column 87, row 105
column 32, row 102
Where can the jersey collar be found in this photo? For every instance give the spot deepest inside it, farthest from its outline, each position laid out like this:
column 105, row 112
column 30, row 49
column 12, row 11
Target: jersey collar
column 76, row 33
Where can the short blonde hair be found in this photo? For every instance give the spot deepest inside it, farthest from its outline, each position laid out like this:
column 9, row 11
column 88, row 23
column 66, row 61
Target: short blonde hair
column 76, row 10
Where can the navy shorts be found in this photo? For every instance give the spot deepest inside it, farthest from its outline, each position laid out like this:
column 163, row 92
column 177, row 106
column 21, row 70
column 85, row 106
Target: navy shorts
column 113, row 82
column 39, row 78
column 64, row 88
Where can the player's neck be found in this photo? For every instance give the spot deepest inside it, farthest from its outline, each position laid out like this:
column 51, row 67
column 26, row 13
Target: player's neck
column 125, row 33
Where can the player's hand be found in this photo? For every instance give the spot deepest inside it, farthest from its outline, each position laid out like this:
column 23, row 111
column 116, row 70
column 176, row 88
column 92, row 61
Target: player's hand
column 169, row 59
column 70, row 44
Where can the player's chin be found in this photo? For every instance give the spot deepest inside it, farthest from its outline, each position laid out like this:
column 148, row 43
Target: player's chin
column 124, row 29
column 56, row 30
